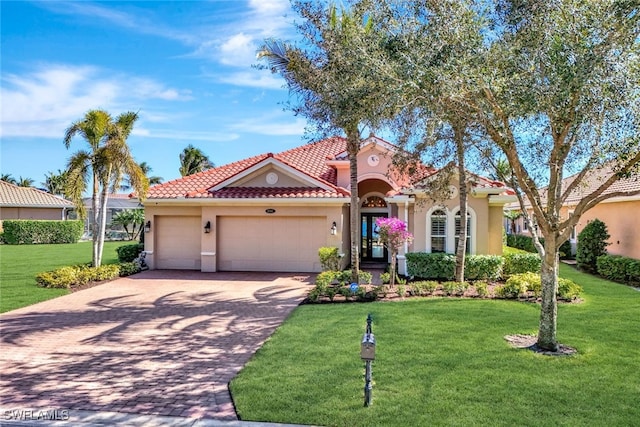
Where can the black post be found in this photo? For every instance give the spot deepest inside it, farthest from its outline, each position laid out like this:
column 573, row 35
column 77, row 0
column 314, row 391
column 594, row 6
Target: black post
column 368, row 387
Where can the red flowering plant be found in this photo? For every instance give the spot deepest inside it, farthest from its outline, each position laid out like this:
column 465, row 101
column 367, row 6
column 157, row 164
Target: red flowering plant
column 393, row 233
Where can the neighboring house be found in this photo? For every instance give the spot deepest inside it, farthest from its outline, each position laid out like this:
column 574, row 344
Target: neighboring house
column 272, row 212
column 31, row 203
column 617, row 212
column 116, row 203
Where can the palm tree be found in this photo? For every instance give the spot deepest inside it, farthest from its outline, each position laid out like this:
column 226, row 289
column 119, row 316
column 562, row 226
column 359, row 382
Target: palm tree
column 106, row 162
column 55, row 183
column 193, row 160
column 146, row 169
column 334, row 83
column 24, row 182
column 7, row 177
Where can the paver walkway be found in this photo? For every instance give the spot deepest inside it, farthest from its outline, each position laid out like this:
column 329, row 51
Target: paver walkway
column 159, row 342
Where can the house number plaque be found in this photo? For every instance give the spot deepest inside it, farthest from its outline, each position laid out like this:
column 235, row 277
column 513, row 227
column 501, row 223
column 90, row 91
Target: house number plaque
column 270, row 211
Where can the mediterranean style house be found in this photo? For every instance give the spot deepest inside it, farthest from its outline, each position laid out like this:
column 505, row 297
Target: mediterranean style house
column 30, row 203
column 272, row 212
column 615, row 212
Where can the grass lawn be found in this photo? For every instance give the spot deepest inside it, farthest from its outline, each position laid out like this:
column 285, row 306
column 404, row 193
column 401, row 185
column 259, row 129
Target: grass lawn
column 445, row 362
column 19, row 265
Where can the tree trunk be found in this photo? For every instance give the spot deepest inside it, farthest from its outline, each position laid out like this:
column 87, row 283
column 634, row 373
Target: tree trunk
column 353, row 147
column 103, row 223
column 549, row 309
column 394, row 256
column 95, row 219
column 462, row 178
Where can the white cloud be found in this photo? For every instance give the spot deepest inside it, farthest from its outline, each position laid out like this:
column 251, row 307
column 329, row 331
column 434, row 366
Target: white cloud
column 272, row 126
column 239, row 49
column 258, row 79
column 45, row 102
column 182, row 135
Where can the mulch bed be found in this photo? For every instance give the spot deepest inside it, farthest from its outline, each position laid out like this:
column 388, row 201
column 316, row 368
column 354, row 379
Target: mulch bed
column 529, row 342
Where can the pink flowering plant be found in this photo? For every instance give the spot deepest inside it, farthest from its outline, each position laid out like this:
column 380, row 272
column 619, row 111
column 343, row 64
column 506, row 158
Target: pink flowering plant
column 393, row 234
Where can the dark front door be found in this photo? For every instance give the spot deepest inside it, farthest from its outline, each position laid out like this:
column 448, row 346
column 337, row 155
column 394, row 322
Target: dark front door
column 371, row 248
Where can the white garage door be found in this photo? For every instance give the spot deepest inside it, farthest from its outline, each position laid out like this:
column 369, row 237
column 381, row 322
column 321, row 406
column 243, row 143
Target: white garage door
column 177, row 244
column 270, row 244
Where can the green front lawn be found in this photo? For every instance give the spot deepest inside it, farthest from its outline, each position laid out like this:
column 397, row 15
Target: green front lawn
column 19, row 265
column 445, row 362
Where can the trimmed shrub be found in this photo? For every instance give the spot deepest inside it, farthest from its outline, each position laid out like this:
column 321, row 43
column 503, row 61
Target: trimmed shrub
column 329, row 258
column 27, row 232
column 76, row 275
column 431, row 266
column 633, row 272
column 129, row 268
column 592, row 243
column 422, row 287
column 127, row 253
column 324, row 279
column 482, row 288
column 614, row 267
column 520, row 263
column 511, row 289
column 483, row 267
column 568, row 289
column 454, row 288
column 365, row 277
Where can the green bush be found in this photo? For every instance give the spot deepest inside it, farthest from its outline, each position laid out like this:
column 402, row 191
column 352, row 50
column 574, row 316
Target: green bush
column 129, row 268
column 365, row 277
column 483, row 267
column 385, row 277
column 127, row 253
column 26, row 232
column 525, row 243
column 454, row 288
column 436, row 266
column 76, row 275
column 614, row 267
column 520, row 263
column 633, row 272
column 324, row 279
column 592, row 243
column 481, row 288
column 329, row 258
column 423, row 287
column 568, row 289
column 440, row 266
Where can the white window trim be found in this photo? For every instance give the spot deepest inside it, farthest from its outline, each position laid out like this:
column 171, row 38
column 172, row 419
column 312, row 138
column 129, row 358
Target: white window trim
column 450, row 239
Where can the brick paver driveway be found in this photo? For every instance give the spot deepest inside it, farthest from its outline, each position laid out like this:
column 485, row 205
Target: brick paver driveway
column 160, row 342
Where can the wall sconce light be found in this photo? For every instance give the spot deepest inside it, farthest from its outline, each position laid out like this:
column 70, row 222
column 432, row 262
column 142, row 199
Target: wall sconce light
column 334, row 229
column 207, row 227
column 147, row 227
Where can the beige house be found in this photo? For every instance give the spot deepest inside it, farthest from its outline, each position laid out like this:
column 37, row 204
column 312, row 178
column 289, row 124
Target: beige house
column 272, row 212
column 616, row 212
column 31, row 203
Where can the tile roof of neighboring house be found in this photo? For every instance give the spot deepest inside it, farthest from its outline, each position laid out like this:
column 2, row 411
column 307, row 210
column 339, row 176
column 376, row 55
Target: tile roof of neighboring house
column 13, row 196
column 309, row 159
column 590, row 183
column 478, row 181
column 116, row 201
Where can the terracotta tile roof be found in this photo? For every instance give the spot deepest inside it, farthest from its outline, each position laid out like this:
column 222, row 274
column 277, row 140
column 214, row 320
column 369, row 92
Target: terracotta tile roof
column 478, row 181
column 13, row 196
column 309, row 159
column 589, row 184
column 274, row 193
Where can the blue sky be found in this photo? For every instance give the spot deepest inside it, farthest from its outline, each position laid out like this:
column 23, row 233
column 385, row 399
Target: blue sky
column 185, row 66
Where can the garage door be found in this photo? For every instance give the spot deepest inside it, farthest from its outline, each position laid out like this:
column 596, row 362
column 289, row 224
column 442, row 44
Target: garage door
column 177, row 244
column 270, row 244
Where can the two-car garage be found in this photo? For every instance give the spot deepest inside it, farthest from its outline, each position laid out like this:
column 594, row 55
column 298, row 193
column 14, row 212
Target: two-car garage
column 242, row 243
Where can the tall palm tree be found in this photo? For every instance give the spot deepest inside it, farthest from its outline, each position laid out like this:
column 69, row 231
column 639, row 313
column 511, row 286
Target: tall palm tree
column 106, row 161
column 55, row 182
column 193, row 160
column 24, row 182
column 335, row 85
column 7, row 177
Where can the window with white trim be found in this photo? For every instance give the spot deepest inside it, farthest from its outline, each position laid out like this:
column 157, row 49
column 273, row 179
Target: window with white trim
column 438, row 231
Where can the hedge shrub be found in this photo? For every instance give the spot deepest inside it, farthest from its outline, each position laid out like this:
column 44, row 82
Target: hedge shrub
column 525, row 284
column 619, row 268
column 129, row 268
column 483, row 267
column 27, row 232
column 127, row 253
column 440, row 266
column 520, row 263
column 76, row 275
column 525, row 243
